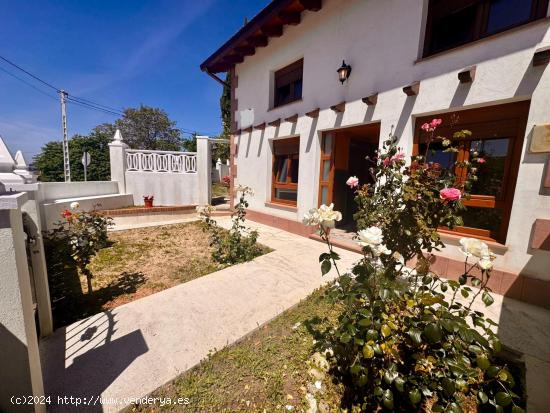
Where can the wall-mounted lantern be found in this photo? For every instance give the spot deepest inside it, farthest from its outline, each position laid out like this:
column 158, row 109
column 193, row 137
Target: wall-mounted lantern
column 344, row 72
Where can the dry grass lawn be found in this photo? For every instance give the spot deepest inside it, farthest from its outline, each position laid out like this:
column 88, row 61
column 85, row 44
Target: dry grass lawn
column 139, row 262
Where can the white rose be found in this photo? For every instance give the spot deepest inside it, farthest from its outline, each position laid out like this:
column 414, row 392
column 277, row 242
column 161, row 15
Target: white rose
column 311, row 218
column 370, row 236
column 75, row 205
column 328, row 217
column 474, row 247
column 485, row 263
column 381, row 249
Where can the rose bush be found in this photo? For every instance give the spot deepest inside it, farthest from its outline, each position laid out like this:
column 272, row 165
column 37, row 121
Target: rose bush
column 237, row 245
column 406, row 339
column 82, row 234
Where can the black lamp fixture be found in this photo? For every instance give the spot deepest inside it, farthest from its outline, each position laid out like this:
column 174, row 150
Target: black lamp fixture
column 344, row 72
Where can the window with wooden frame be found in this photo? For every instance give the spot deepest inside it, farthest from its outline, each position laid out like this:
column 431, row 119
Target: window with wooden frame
column 286, row 161
column 288, row 83
column 497, row 136
column 452, row 23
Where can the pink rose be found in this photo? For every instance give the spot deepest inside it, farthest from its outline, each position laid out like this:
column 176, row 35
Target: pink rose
column 430, row 127
column 398, row 157
column 435, row 123
column 481, row 160
column 352, row 182
column 450, row 194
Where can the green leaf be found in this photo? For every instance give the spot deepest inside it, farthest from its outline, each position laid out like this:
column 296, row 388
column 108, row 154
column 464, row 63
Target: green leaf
column 387, row 399
column 432, row 333
column 399, row 383
column 364, row 322
column 415, row 396
column 483, row 362
column 368, row 351
column 503, row 399
column 517, row 409
column 448, row 386
column 345, row 338
column 487, row 299
column 482, row 397
column 415, row 336
column 385, row 330
column 325, row 267
column 372, row 334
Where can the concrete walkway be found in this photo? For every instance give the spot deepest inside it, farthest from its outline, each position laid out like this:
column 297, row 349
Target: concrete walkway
column 133, row 349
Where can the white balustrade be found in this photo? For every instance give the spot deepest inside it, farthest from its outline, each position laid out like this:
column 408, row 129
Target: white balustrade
column 161, row 161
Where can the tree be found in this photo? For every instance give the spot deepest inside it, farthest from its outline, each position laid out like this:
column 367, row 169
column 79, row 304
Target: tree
column 222, row 150
column 142, row 128
column 50, row 160
column 148, row 128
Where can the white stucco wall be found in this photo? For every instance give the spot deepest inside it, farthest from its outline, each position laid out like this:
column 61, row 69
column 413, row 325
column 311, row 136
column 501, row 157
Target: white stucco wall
column 382, row 41
column 168, row 188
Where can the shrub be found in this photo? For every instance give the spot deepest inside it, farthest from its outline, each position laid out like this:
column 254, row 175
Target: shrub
column 237, row 245
column 408, row 340
column 80, row 234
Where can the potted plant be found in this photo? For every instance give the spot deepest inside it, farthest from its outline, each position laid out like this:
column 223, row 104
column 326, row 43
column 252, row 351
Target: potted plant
column 226, row 180
column 148, row 200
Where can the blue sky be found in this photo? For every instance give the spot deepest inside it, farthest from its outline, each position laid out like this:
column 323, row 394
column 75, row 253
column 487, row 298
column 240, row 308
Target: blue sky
column 120, row 53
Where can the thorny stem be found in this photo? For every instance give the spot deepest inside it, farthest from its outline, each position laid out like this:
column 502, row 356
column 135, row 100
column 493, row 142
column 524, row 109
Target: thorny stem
column 326, row 238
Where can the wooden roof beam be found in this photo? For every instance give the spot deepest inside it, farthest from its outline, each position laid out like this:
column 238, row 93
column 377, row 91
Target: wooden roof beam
column 467, row 75
column 247, row 130
column 292, row 118
column 339, row 108
column 541, row 56
column 258, row 41
column 313, row 114
column 273, row 31
column 292, row 18
column 234, row 58
column 311, row 5
column 275, row 122
column 371, row 100
column 245, row 50
column 260, row 126
column 412, row 90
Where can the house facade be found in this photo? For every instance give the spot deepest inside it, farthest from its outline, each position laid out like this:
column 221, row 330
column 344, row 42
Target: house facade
column 301, row 127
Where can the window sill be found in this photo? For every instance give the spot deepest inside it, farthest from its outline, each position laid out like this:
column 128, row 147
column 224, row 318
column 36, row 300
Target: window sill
column 525, row 26
column 281, row 206
column 285, row 104
column 453, row 238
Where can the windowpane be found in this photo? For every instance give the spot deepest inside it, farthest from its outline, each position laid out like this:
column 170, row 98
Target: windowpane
column 436, row 155
column 490, row 175
column 483, row 218
column 453, row 29
column 326, row 170
column 295, row 166
column 324, row 195
column 327, row 144
column 282, row 168
column 507, row 13
column 286, row 194
column 288, row 83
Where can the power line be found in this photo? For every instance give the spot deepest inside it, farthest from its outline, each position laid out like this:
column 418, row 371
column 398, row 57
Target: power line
column 28, row 84
column 30, row 74
column 94, row 107
column 94, row 103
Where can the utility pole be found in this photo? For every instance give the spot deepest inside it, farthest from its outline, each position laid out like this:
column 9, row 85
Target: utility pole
column 66, row 162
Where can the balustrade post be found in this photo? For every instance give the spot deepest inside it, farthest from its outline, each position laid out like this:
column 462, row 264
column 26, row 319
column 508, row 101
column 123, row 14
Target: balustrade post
column 204, row 169
column 117, row 156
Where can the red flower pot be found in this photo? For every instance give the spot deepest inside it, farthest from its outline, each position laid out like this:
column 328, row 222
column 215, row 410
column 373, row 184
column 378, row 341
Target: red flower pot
column 148, row 203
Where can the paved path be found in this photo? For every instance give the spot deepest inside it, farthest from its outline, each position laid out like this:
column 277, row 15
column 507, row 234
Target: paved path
column 133, row 349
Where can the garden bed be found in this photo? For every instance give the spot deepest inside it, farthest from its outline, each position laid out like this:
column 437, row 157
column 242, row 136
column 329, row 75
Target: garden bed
column 138, row 262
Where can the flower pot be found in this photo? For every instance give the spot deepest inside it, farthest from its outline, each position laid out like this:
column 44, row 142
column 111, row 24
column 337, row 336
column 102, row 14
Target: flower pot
column 148, row 203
